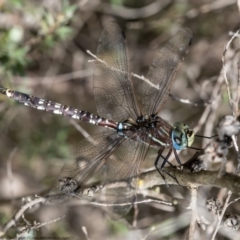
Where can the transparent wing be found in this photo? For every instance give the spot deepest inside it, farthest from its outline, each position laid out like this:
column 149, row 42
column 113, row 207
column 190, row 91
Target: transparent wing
column 163, row 70
column 86, row 160
column 112, row 84
column 118, row 160
column 123, row 167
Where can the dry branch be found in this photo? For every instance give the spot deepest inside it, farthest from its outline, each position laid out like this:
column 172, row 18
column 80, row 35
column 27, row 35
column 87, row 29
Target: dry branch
column 193, row 180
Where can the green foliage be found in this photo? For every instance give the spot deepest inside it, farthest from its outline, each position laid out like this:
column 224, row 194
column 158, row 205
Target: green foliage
column 17, row 4
column 53, row 27
column 17, row 42
column 118, row 227
column 12, row 55
column 68, row 10
column 46, row 146
column 116, row 2
column 63, row 31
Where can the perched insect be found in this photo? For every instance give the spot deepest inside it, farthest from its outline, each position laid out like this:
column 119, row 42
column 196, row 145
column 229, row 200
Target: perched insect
column 130, row 131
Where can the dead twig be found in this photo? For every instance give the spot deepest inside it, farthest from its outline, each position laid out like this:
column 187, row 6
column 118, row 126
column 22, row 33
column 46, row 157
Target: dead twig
column 194, row 217
column 37, row 226
column 130, row 13
column 209, row 7
column 20, row 212
column 221, row 215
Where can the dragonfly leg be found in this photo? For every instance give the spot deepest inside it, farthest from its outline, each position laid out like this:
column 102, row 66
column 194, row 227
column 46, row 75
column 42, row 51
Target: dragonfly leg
column 165, row 160
column 156, row 166
column 177, row 157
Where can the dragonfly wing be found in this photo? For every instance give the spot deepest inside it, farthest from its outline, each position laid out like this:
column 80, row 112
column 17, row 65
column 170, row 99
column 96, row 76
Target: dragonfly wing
column 163, row 70
column 87, row 158
column 112, row 84
column 122, row 171
column 118, row 161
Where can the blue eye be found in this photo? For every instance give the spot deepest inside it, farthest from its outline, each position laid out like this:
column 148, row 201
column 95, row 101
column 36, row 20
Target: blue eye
column 182, row 136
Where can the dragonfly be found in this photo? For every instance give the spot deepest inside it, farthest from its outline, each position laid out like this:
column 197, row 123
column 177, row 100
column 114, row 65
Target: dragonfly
column 130, row 129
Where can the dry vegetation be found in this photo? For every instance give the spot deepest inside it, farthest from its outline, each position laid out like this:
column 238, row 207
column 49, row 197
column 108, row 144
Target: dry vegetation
column 43, row 53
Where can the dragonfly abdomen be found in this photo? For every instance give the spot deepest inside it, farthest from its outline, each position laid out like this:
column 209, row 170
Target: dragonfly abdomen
column 57, row 108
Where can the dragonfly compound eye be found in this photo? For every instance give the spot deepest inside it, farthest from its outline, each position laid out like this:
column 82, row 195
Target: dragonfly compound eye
column 182, row 136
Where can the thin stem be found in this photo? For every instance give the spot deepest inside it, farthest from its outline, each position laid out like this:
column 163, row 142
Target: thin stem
column 221, row 215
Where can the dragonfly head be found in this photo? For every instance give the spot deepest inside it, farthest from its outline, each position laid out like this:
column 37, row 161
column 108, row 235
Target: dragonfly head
column 182, row 136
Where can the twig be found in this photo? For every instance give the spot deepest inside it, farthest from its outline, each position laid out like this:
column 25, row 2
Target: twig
column 150, row 231
column 233, row 104
column 193, row 207
column 119, row 70
column 235, row 200
column 151, row 178
column 225, row 71
column 9, row 171
column 189, row 179
column 84, row 229
column 135, row 215
column 20, row 212
column 238, row 86
column 79, row 128
column 221, row 215
column 130, row 13
column 209, row 7
column 187, row 101
column 238, row 3
column 37, row 226
column 102, row 204
column 235, row 143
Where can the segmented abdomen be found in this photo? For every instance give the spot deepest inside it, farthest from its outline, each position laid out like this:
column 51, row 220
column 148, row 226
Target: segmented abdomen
column 60, row 109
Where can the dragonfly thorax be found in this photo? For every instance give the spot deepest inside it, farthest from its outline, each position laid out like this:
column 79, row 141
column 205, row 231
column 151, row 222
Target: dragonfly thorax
column 147, row 121
column 142, row 122
column 152, row 130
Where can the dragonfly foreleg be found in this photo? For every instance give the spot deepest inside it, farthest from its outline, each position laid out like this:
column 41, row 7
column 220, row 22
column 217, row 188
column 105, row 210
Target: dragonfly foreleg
column 165, row 160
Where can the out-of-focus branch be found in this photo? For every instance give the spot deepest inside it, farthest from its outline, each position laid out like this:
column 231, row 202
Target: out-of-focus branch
column 130, row 13
column 185, row 178
column 152, row 178
column 187, row 101
column 194, row 216
column 37, row 226
column 221, row 215
column 193, row 207
column 209, row 7
column 190, row 179
column 19, row 213
column 33, row 81
column 231, row 102
column 9, row 20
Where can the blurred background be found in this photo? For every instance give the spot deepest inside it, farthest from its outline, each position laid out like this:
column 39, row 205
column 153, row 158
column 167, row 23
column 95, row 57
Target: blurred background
column 43, row 53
